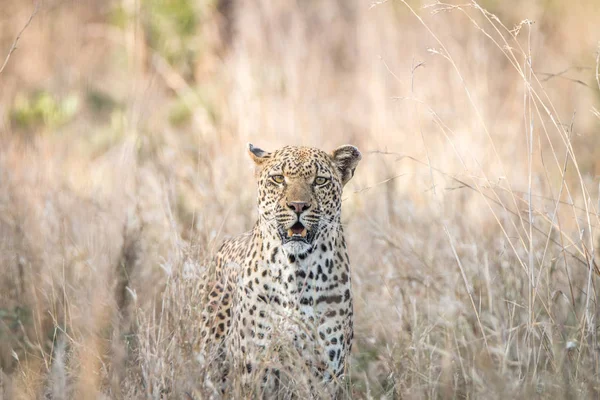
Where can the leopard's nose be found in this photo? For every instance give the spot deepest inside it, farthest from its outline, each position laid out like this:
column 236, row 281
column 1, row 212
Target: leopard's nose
column 298, row 206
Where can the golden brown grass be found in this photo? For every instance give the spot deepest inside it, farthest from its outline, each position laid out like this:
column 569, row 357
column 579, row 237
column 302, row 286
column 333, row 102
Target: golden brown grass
column 472, row 220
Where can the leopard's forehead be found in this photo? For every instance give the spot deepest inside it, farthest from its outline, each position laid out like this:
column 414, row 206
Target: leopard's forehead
column 300, row 160
column 300, row 154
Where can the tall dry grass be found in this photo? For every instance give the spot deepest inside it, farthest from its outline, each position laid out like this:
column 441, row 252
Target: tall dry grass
column 471, row 221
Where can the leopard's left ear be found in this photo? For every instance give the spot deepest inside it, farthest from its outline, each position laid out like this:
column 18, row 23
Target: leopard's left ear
column 259, row 156
column 346, row 159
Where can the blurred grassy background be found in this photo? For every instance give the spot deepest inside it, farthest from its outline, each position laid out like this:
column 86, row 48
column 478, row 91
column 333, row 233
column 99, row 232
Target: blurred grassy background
column 123, row 127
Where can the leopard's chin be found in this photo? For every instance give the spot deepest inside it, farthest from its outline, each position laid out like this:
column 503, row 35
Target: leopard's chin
column 296, row 247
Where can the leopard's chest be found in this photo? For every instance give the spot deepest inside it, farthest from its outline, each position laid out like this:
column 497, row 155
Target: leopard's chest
column 301, row 300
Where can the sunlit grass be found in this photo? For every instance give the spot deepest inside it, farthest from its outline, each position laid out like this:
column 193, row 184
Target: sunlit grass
column 471, row 220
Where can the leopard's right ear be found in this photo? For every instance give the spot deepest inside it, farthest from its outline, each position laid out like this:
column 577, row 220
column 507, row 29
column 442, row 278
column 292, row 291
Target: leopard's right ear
column 259, row 156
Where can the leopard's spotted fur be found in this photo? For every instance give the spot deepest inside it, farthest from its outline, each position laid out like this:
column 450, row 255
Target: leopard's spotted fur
column 276, row 288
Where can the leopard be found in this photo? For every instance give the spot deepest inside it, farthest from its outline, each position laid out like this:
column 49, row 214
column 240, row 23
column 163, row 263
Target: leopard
column 288, row 280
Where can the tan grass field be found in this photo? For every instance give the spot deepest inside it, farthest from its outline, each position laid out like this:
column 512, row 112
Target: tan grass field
column 472, row 220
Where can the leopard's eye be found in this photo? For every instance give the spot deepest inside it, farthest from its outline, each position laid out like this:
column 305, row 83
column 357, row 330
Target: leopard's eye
column 279, row 179
column 320, row 181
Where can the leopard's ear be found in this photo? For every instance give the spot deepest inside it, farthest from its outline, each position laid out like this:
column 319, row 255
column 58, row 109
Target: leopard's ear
column 257, row 155
column 346, row 159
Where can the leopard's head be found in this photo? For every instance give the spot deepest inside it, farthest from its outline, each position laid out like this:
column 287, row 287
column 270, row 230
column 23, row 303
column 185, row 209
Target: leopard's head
column 300, row 191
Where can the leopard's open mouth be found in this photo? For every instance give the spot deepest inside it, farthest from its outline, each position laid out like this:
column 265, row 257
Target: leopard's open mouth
column 297, row 233
column 297, row 230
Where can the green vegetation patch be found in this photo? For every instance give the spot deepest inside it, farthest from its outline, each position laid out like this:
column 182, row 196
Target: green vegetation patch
column 43, row 109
